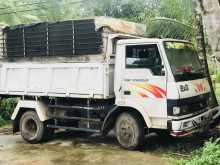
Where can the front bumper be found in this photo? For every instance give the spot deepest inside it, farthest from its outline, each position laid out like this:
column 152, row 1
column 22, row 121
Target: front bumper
column 199, row 123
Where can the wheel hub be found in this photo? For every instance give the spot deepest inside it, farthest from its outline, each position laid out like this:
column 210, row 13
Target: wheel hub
column 30, row 127
column 126, row 131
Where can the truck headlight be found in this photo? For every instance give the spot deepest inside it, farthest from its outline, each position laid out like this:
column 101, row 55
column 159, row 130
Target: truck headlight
column 176, row 110
column 180, row 110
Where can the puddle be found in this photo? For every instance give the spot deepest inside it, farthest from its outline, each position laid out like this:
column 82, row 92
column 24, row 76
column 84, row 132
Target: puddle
column 68, row 151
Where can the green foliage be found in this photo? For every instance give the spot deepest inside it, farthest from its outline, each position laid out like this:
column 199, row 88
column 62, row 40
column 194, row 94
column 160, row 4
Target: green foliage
column 180, row 10
column 56, row 10
column 217, row 78
column 2, row 121
column 127, row 9
column 176, row 16
column 208, row 155
column 141, row 11
column 6, row 108
column 59, row 10
column 212, row 69
column 178, row 13
column 217, row 93
column 32, row 11
column 174, row 19
column 169, row 28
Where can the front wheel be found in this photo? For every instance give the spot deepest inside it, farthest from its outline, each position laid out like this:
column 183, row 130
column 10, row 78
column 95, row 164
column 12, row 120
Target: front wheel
column 130, row 131
column 32, row 129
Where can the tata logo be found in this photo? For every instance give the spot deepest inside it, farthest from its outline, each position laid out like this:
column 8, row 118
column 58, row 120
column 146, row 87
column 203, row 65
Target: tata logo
column 199, row 87
column 184, row 88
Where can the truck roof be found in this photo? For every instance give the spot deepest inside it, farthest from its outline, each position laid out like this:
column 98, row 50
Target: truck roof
column 145, row 40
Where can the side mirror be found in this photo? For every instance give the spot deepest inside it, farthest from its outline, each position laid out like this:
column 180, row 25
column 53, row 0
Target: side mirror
column 163, row 72
column 159, row 70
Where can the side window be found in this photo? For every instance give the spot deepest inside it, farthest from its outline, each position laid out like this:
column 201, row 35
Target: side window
column 144, row 56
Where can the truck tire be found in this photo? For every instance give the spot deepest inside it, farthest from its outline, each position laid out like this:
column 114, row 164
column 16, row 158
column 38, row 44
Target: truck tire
column 32, row 129
column 130, row 131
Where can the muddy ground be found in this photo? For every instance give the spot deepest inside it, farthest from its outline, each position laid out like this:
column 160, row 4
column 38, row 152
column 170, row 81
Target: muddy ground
column 68, row 148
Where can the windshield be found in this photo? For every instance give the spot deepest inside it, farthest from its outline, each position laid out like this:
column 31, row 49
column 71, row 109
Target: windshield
column 184, row 61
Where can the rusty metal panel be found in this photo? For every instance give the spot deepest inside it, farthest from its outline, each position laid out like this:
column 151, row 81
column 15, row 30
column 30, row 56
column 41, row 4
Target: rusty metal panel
column 120, row 26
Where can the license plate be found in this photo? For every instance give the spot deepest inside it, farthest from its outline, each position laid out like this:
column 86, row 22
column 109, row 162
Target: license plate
column 201, row 122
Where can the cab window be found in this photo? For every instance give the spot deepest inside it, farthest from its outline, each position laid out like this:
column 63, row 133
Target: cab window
column 144, row 56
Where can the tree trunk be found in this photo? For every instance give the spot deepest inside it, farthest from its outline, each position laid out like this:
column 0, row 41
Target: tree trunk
column 202, row 50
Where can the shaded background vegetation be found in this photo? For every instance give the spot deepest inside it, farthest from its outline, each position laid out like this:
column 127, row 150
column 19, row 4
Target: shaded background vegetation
column 142, row 11
column 6, row 108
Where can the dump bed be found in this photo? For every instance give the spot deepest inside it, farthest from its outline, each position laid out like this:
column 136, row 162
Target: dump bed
column 78, row 80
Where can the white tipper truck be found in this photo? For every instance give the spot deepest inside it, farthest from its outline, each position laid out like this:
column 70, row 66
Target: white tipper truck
column 135, row 85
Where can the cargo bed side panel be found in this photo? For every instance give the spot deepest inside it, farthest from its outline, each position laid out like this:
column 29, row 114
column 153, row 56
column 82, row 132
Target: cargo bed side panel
column 80, row 80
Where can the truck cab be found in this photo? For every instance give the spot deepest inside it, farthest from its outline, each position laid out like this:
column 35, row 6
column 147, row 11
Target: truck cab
column 165, row 81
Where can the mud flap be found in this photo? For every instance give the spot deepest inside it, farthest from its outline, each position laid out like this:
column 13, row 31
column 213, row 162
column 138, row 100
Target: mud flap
column 15, row 126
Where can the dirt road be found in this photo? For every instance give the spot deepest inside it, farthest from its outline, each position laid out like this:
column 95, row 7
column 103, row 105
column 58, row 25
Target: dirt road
column 72, row 149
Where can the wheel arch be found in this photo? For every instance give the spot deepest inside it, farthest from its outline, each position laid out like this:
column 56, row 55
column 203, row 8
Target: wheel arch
column 24, row 106
column 112, row 115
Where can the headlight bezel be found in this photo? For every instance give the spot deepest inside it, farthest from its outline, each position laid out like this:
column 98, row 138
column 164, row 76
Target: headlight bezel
column 180, row 110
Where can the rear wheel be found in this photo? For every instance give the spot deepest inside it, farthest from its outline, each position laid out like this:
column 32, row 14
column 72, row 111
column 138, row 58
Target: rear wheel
column 32, row 129
column 130, row 131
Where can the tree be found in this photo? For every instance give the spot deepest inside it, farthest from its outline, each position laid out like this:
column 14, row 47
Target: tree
column 6, row 8
column 180, row 10
column 24, row 11
column 127, row 9
column 173, row 19
column 201, row 43
column 170, row 28
column 59, row 10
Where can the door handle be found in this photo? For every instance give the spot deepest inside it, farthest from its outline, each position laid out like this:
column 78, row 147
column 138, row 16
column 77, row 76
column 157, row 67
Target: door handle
column 127, row 92
column 119, row 89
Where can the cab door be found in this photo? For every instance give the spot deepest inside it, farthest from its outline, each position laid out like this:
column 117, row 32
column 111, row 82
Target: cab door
column 144, row 81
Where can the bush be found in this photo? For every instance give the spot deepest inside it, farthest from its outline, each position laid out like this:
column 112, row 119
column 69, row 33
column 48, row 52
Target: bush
column 208, row 155
column 2, row 121
column 6, row 109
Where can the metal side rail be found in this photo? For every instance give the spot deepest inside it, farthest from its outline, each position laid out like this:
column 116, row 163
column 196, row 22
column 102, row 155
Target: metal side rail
column 74, row 128
column 78, row 118
column 75, row 107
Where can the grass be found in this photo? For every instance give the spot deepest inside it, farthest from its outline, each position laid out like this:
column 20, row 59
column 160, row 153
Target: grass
column 209, row 154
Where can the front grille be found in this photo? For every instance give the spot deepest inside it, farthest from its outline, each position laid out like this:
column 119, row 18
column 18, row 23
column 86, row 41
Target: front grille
column 198, row 106
column 189, row 105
